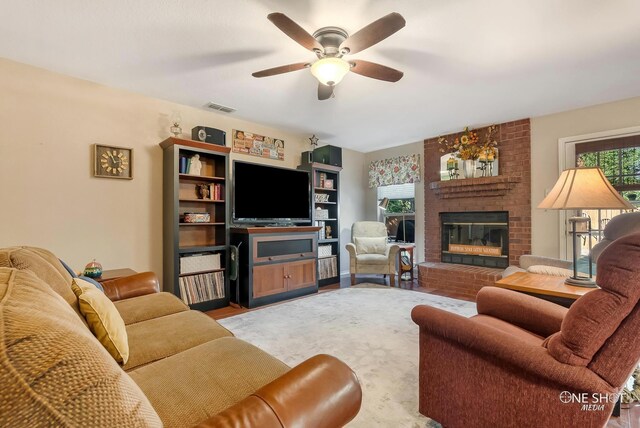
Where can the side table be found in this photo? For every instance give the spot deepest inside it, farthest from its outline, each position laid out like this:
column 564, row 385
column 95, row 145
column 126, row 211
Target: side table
column 402, row 267
column 108, row 275
column 547, row 287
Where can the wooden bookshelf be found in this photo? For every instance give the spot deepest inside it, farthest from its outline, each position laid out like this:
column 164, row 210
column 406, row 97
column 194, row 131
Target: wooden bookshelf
column 206, row 288
column 328, row 267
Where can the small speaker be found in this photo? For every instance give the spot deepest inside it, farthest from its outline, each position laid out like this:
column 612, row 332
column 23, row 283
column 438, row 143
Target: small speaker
column 329, row 155
column 209, row 135
column 306, row 158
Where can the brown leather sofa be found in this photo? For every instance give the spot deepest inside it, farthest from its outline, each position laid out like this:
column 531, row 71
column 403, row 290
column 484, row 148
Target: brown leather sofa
column 523, row 361
column 184, row 369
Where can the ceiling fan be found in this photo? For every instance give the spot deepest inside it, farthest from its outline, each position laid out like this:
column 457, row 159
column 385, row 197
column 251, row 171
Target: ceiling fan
column 331, row 44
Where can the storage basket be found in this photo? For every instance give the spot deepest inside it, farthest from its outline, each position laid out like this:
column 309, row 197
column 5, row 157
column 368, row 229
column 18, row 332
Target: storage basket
column 324, row 250
column 199, row 263
column 196, row 217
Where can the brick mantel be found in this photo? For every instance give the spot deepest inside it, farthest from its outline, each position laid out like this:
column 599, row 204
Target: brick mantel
column 474, row 187
column 510, row 191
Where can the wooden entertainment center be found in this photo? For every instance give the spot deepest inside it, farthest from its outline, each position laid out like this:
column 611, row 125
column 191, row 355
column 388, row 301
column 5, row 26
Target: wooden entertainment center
column 275, row 263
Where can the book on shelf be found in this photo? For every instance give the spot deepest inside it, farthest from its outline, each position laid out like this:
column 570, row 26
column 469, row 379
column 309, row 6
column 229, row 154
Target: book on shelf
column 215, row 192
column 202, row 287
column 322, row 233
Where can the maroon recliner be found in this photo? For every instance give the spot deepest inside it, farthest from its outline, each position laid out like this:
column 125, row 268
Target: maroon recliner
column 523, row 361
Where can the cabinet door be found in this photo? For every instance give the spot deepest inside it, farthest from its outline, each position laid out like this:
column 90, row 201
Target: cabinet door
column 300, row 274
column 268, row 280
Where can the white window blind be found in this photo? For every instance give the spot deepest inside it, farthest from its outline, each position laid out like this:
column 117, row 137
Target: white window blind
column 397, row 191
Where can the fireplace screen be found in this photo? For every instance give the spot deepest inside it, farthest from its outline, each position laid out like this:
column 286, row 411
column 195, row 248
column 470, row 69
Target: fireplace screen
column 476, row 238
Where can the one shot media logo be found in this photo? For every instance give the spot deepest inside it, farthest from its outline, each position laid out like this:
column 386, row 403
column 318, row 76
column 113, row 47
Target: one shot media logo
column 589, row 401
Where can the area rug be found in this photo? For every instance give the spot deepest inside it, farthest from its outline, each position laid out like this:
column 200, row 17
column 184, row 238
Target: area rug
column 370, row 329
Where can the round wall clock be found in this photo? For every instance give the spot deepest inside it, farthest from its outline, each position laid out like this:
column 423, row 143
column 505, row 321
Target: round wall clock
column 113, row 162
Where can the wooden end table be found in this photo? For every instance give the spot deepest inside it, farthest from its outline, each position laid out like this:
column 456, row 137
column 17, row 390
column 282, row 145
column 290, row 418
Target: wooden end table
column 547, row 287
column 405, row 248
column 108, row 275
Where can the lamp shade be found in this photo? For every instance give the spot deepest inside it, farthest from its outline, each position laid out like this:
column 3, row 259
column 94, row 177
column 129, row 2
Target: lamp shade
column 330, row 71
column 383, row 203
column 581, row 189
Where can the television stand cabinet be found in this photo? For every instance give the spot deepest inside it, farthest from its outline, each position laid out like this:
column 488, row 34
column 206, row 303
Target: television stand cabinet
column 275, row 263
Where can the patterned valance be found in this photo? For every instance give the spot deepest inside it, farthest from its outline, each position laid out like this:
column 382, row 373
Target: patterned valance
column 400, row 170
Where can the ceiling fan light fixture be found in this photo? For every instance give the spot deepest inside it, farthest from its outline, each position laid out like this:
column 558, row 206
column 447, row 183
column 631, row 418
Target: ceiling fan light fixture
column 330, row 44
column 330, row 71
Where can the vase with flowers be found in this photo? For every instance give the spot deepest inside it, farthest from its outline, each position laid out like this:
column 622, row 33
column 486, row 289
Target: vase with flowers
column 465, row 147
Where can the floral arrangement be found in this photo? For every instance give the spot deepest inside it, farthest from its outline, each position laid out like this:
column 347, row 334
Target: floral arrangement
column 490, row 145
column 468, row 146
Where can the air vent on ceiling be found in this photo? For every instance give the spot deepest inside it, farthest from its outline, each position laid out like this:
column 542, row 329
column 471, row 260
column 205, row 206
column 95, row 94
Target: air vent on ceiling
column 221, row 108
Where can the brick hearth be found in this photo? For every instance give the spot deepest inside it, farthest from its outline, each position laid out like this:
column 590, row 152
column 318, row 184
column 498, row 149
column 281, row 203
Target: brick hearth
column 458, row 279
column 510, row 191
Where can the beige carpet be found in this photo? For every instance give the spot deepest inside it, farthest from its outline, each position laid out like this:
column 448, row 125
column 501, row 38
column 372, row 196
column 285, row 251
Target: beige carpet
column 369, row 328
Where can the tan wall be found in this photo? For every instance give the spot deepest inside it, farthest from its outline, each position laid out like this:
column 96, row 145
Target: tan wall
column 371, row 202
column 49, row 196
column 545, row 133
column 50, row 199
column 353, row 189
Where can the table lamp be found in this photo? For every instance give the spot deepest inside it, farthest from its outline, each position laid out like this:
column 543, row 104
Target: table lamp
column 383, row 206
column 581, row 189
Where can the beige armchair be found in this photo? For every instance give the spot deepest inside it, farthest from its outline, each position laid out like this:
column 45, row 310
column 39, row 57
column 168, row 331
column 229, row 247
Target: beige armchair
column 369, row 251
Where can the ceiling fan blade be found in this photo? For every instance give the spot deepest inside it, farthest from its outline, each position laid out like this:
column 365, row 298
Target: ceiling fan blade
column 375, row 71
column 324, row 91
column 373, row 33
column 279, row 70
column 296, row 32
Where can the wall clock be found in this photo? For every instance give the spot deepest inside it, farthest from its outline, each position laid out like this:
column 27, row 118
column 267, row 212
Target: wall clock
column 113, row 162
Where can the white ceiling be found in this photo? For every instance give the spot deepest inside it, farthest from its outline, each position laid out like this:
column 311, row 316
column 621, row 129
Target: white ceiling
column 465, row 62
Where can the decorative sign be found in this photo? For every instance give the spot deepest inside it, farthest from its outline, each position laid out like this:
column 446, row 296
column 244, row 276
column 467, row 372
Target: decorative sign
column 480, row 250
column 257, row 145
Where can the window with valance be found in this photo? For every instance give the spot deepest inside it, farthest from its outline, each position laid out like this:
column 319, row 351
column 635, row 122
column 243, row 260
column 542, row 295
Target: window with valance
column 398, row 170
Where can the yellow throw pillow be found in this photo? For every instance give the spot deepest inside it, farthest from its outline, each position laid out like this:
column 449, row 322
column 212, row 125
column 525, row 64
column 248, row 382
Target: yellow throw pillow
column 103, row 318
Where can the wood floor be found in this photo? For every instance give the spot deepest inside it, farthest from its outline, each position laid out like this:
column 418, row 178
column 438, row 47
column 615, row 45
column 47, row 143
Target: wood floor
column 629, row 417
column 345, row 282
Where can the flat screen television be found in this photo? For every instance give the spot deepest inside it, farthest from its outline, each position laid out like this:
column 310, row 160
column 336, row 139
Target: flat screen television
column 268, row 194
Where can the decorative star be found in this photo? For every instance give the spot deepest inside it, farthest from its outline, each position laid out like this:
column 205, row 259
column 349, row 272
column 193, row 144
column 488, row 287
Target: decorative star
column 314, row 140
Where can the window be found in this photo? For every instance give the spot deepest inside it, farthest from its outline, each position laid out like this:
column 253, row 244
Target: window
column 621, row 167
column 619, row 159
column 399, row 216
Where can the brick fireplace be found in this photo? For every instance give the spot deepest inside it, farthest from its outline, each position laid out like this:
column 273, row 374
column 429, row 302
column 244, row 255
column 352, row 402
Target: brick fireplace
column 508, row 192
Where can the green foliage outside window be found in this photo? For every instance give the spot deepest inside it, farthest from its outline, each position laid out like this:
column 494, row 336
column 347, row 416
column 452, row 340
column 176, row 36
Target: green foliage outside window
column 399, row 206
column 620, row 166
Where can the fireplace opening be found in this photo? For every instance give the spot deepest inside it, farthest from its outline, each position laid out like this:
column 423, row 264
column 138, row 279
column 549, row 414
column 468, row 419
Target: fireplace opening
column 478, row 238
